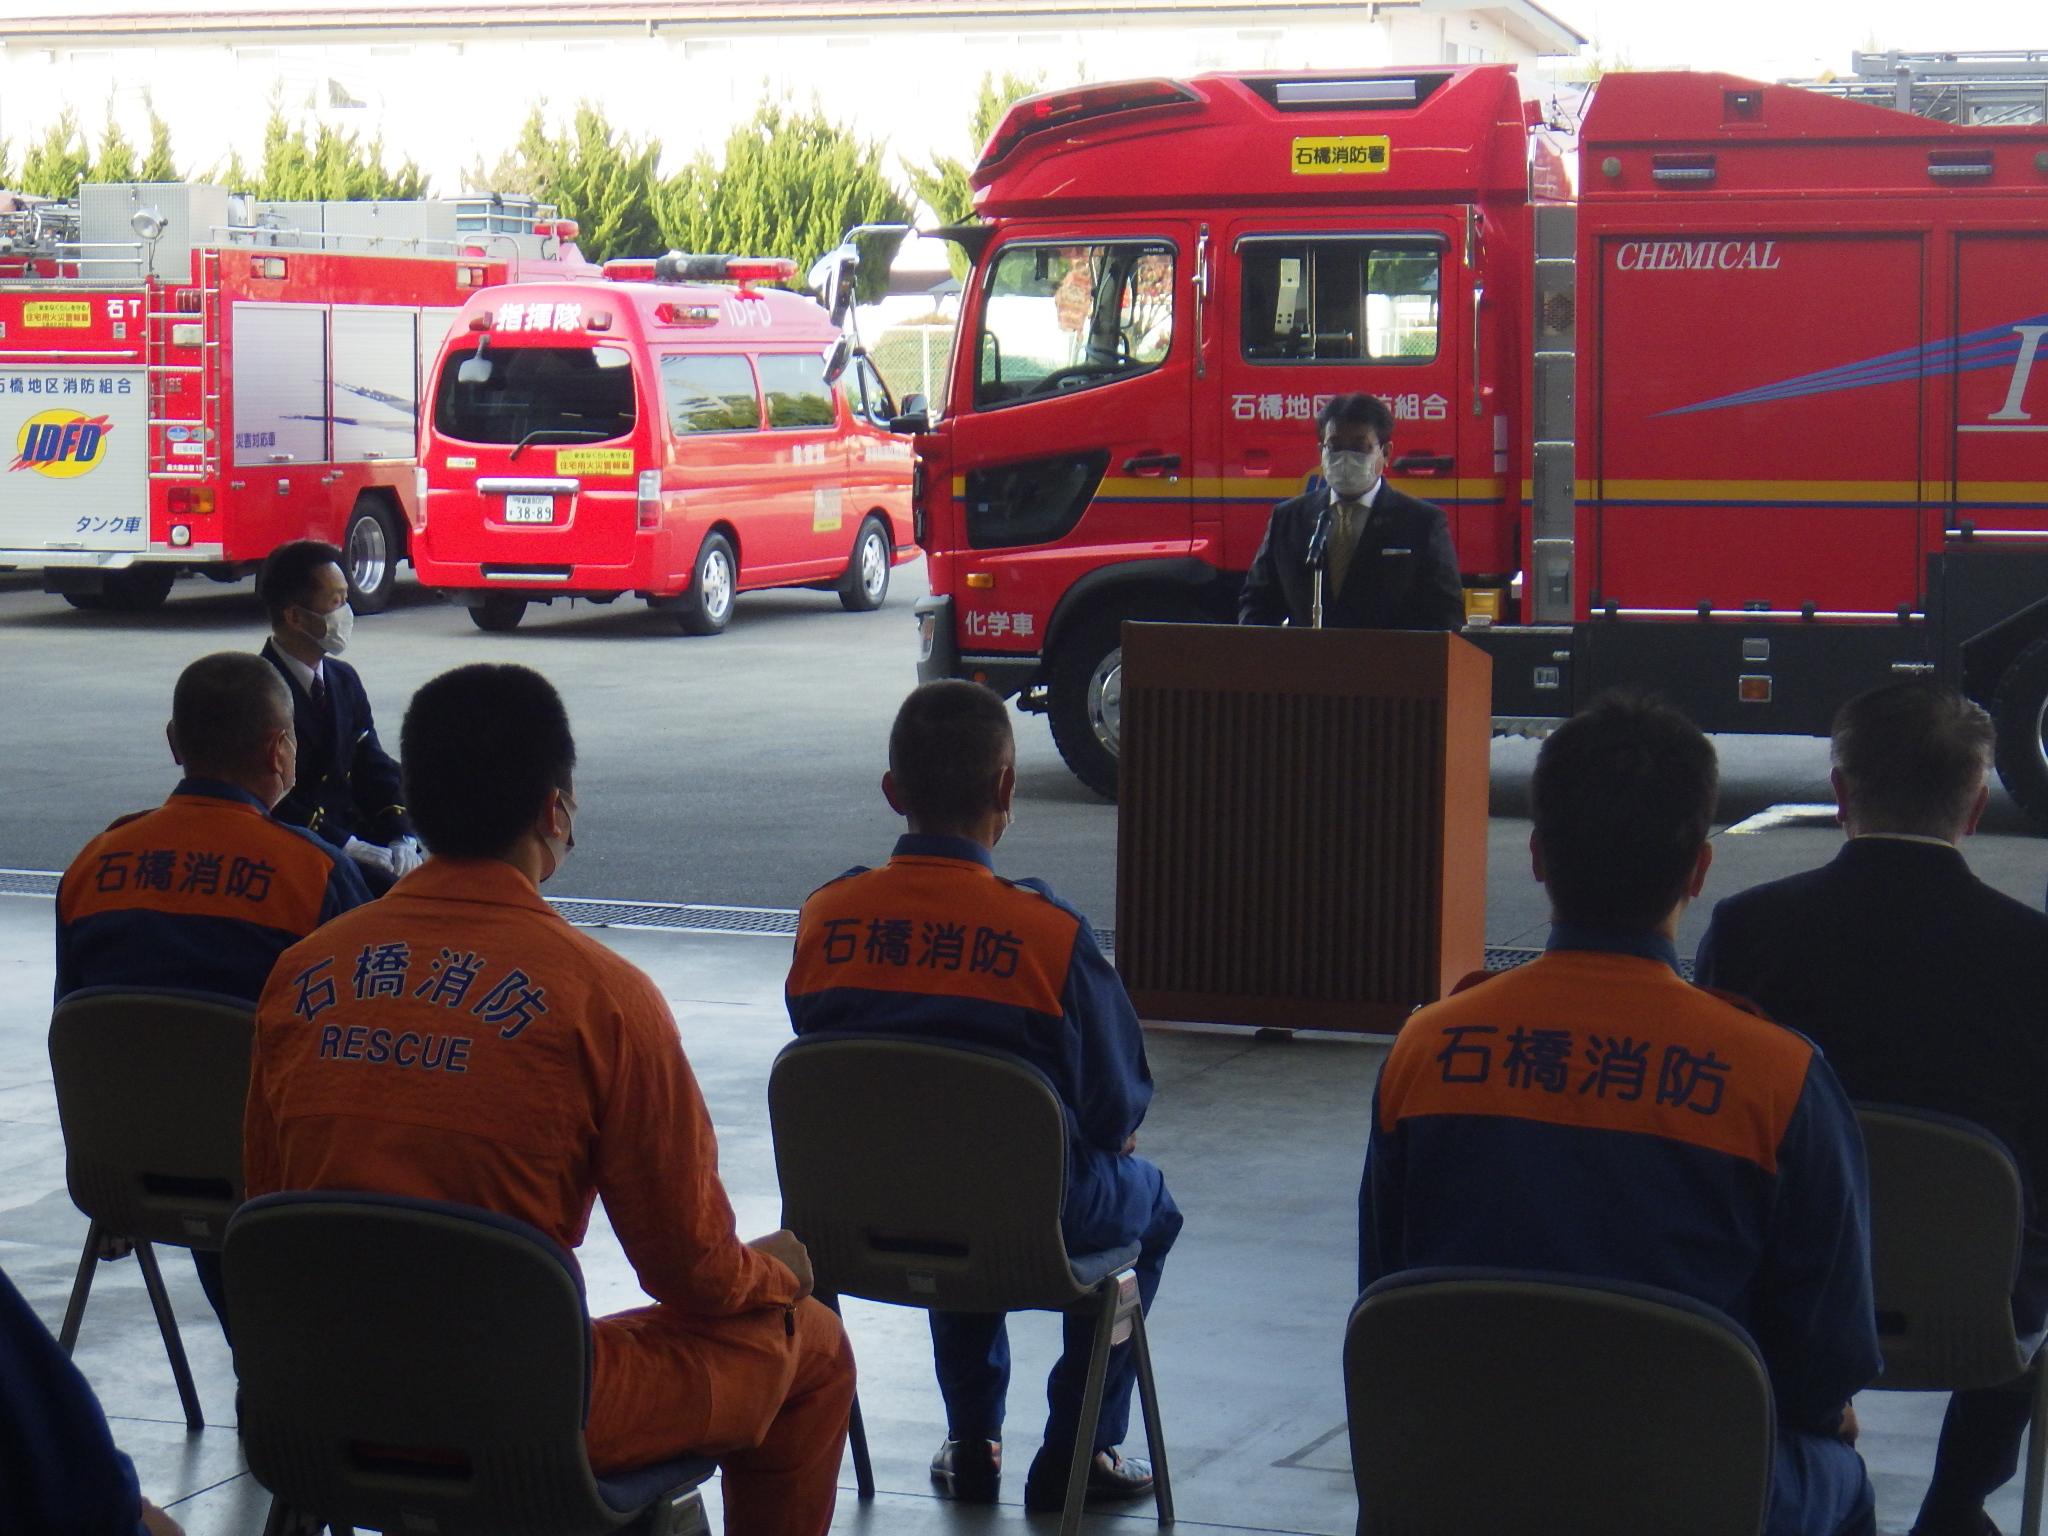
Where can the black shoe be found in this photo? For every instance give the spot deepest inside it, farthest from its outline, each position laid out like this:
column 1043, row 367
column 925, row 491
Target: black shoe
column 969, row 1471
column 1112, row 1478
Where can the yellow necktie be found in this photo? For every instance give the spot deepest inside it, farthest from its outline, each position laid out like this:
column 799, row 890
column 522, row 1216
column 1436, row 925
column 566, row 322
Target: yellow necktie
column 1343, row 542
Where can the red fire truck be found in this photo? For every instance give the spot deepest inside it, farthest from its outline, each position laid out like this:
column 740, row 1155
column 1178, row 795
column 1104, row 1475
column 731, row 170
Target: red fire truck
column 189, row 379
column 669, row 433
column 1756, row 420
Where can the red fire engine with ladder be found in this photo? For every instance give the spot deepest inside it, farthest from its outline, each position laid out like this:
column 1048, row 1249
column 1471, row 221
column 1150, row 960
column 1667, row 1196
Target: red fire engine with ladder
column 1757, row 417
column 189, row 379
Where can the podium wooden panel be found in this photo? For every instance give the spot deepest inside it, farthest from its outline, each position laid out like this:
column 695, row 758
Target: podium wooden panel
column 1301, row 830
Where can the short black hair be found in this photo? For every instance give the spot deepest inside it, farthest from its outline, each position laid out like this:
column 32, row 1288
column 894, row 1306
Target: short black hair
column 1622, row 796
column 286, row 579
column 224, row 710
column 1356, row 410
column 1913, row 755
column 481, row 749
column 950, row 741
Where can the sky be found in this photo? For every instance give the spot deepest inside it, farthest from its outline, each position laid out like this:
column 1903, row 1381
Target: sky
column 1779, row 39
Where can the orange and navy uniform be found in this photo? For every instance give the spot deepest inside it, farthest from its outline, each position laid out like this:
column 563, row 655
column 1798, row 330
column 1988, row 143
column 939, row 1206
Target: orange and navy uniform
column 1592, row 1113
column 202, row 893
column 936, row 941
column 457, row 1040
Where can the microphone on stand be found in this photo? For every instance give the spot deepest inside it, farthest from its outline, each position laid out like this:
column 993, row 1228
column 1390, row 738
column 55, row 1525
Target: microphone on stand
column 1318, row 556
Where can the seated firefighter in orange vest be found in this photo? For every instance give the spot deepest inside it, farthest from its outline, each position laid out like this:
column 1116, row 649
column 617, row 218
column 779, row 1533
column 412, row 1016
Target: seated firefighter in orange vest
column 459, row 1041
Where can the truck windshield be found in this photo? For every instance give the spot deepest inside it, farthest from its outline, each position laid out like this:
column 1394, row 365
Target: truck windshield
column 542, row 394
column 1058, row 318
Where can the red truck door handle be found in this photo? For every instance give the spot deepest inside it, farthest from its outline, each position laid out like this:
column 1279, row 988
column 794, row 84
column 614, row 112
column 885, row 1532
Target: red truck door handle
column 1151, row 465
column 1424, row 464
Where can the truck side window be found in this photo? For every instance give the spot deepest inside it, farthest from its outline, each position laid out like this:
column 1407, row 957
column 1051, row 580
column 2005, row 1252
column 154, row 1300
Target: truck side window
column 1057, row 318
column 1340, row 300
column 707, row 392
column 795, row 387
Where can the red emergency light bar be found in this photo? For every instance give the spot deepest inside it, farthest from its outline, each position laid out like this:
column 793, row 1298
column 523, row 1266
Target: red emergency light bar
column 1063, row 109
column 683, row 267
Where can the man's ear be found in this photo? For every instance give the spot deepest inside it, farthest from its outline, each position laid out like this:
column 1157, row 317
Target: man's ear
column 889, row 793
column 1840, row 786
column 1006, row 787
column 1977, row 810
column 171, row 740
column 1535, row 857
column 1699, row 870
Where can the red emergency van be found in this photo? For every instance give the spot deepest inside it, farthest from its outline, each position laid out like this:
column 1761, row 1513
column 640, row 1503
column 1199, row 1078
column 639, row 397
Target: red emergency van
column 660, row 433
column 1757, row 419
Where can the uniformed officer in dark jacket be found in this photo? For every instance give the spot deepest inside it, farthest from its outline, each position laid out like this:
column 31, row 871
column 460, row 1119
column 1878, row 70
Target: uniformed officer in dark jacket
column 348, row 788
column 1388, row 559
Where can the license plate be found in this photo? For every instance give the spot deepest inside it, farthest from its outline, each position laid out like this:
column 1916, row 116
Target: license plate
column 529, row 509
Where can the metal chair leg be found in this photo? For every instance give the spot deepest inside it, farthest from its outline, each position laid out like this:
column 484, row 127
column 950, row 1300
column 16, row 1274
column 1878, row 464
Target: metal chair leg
column 2037, row 1454
column 167, row 1325
column 856, row 1430
column 1091, row 1409
column 74, row 1309
column 1155, row 1438
column 857, row 1436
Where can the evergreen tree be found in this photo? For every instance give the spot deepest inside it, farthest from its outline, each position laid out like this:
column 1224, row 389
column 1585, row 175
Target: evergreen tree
column 157, row 165
column 330, row 164
column 116, row 160
column 791, row 184
column 602, row 179
column 53, row 165
column 941, row 183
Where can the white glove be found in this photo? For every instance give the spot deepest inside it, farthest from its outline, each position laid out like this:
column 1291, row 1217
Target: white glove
column 368, row 854
column 406, row 856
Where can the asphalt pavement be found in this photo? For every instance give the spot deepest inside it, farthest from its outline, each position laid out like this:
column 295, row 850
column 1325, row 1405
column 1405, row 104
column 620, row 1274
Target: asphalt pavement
column 741, row 769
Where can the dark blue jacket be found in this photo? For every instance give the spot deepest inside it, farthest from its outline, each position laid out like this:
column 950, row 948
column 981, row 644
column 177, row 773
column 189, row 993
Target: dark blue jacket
column 348, row 786
column 60, row 1474
column 1403, row 574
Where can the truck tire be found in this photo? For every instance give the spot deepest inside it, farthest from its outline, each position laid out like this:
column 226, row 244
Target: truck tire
column 713, row 581
column 369, row 556
column 138, row 590
column 2019, row 708
column 866, row 582
column 499, row 613
column 1085, row 684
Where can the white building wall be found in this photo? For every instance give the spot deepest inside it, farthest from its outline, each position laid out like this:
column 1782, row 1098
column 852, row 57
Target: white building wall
column 453, row 99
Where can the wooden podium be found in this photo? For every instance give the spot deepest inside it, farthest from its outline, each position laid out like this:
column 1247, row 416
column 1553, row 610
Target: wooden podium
column 1301, row 831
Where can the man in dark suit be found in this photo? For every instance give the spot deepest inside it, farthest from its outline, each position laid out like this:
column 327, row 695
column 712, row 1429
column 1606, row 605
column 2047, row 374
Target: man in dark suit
column 1923, row 987
column 1387, row 558
column 348, row 788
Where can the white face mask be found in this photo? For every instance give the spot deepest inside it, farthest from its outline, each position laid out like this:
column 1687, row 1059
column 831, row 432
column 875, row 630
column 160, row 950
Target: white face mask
column 1350, row 474
column 339, row 624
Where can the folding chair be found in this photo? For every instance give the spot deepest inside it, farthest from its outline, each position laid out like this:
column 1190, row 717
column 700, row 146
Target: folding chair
column 411, row 1365
column 1524, row 1404
column 150, row 1089
column 1946, row 1213
column 932, row 1175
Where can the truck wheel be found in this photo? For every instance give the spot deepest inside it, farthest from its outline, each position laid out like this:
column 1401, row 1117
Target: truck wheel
column 1086, row 684
column 91, row 602
column 137, row 591
column 499, row 613
column 711, row 588
column 866, row 581
column 2019, row 708
column 369, row 552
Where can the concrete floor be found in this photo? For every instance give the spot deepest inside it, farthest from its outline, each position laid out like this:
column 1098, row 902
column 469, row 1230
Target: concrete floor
column 1246, row 1334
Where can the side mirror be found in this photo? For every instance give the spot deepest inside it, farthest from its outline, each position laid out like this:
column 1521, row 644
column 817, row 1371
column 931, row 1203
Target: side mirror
column 474, row 370
column 915, row 417
column 832, row 279
column 836, row 359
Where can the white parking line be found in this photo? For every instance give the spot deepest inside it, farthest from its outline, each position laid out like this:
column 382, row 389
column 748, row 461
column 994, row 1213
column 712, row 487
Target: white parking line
column 1782, row 816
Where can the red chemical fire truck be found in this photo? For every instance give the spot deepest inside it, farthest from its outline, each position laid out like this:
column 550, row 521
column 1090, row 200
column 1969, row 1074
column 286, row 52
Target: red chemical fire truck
column 669, row 433
column 189, row 379
column 1758, row 421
